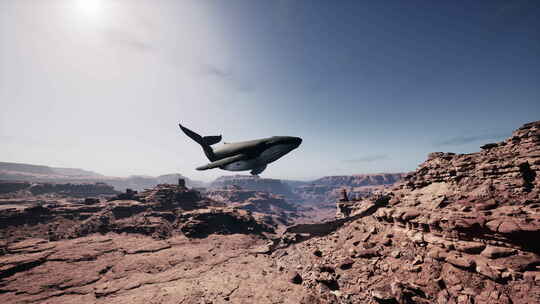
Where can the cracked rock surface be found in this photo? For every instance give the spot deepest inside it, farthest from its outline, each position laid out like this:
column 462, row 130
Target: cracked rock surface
column 115, row 268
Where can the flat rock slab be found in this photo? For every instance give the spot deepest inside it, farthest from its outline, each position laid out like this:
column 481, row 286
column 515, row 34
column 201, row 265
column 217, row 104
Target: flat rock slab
column 135, row 269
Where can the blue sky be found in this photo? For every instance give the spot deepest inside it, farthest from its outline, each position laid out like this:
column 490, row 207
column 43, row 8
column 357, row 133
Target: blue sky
column 371, row 86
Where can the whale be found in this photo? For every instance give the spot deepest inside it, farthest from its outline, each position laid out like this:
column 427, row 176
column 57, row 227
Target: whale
column 252, row 155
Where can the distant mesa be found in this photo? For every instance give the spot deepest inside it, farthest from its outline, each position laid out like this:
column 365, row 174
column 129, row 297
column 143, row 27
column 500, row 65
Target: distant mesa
column 140, row 182
column 256, row 183
column 323, row 190
column 360, row 180
column 329, row 188
column 67, row 189
column 38, row 173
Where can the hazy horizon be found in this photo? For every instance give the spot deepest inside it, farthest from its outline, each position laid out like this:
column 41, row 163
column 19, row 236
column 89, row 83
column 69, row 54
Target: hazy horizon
column 226, row 173
column 370, row 87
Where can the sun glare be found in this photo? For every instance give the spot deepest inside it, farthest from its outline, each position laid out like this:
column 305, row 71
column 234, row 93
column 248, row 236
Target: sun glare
column 90, row 8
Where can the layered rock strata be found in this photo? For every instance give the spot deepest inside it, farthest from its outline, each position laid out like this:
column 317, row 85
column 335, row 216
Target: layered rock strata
column 462, row 228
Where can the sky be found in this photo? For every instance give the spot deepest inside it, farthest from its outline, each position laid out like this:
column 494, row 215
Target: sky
column 370, row 86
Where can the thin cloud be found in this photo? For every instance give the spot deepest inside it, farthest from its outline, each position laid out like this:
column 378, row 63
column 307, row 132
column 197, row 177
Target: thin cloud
column 227, row 76
column 216, row 71
column 466, row 139
column 368, row 158
column 128, row 40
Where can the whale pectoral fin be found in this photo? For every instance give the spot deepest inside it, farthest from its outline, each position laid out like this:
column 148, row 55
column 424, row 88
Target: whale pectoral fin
column 258, row 170
column 223, row 162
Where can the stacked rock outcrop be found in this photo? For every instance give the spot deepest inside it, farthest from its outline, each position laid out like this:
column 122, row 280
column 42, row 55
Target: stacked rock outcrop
column 174, row 196
column 479, row 211
column 492, row 195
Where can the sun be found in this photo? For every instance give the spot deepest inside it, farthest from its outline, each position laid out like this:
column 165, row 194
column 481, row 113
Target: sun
column 90, row 8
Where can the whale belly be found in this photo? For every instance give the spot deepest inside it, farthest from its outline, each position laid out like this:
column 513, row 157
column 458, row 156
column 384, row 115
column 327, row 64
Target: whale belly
column 240, row 165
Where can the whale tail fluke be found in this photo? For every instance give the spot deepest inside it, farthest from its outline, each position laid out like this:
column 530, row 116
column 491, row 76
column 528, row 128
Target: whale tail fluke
column 204, row 141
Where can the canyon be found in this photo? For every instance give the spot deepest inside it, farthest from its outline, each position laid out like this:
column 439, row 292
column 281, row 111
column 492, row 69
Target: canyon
column 461, row 228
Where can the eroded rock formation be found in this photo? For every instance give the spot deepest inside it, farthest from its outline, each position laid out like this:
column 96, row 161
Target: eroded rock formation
column 261, row 202
column 159, row 212
column 463, row 228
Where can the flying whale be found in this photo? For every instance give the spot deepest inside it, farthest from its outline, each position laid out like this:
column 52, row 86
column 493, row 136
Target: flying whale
column 252, row 155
